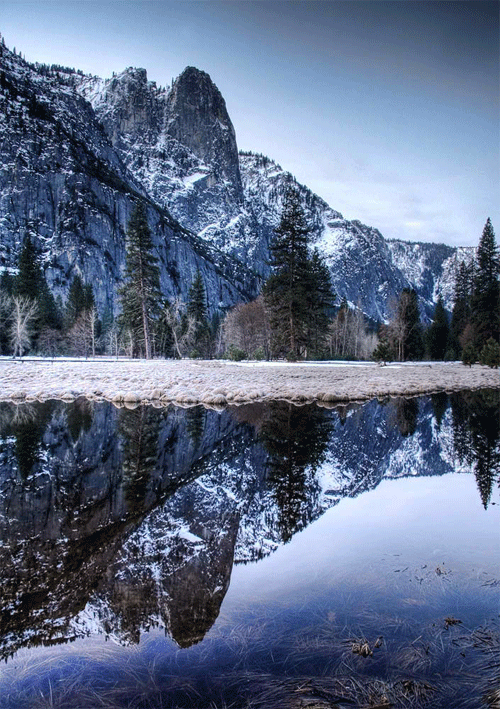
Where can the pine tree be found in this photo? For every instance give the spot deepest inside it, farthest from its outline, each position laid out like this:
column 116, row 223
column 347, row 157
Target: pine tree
column 285, row 291
column 140, row 294
column 80, row 298
column 320, row 299
column 437, row 334
column 486, row 293
column 31, row 283
column 29, row 278
column 197, row 310
column 406, row 327
column 461, row 308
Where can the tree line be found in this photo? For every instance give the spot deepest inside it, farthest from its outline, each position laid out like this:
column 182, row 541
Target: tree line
column 295, row 316
column 472, row 334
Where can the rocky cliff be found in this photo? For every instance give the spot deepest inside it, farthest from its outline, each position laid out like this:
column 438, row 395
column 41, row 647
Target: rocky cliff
column 77, row 152
column 63, row 182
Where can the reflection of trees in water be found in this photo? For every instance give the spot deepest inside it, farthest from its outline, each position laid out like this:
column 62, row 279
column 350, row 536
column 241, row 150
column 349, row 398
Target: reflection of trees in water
column 296, row 439
column 476, row 435
column 79, row 417
column 440, row 403
column 27, row 424
column 195, row 423
column 139, row 429
column 405, row 412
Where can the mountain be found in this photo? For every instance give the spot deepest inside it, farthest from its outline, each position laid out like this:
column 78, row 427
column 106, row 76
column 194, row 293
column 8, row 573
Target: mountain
column 63, row 183
column 78, row 151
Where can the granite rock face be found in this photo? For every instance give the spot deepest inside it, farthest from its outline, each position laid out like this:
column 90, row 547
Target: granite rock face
column 63, row 182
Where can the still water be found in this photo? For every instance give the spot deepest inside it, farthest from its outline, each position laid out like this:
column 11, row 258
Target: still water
column 259, row 556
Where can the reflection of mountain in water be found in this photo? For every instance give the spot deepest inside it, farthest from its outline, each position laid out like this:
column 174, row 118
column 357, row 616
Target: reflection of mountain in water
column 116, row 521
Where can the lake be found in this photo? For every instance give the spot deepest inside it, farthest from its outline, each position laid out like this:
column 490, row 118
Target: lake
column 255, row 556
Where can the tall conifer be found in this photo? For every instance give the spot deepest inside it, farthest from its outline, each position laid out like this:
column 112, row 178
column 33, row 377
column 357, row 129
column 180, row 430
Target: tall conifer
column 140, row 294
column 485, row 303
column 285, row 291
column 437, row 334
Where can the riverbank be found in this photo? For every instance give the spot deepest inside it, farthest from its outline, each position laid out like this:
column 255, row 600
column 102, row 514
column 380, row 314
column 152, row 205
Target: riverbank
column 218, row 383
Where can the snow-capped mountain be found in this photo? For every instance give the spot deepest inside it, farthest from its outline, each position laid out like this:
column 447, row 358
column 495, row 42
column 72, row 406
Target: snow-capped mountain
column 116, row 521
column 78, row 151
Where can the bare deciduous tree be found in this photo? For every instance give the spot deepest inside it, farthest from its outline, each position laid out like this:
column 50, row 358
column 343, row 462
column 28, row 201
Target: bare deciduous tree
column 183, row 326
column 247, row 327
column 24, row 313
column 82, row 335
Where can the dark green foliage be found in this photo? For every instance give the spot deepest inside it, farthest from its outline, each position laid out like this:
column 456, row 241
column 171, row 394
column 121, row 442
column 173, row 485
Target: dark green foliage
column 469, row 356
column 197, row 302
column 438, row 331
column 235, row 354
column 7, row 283
column 461, row 309
column 298, row 293
column 197, row 309
column 164, row 339
column 440, row 403
column 285, row 292
column 140, row 295
column 80, row 298
column 490, row 354
column 409, row 327
column 320, row 300
column 195, row 423
column 485, row 303
column 406, row 415
column 28, row 427
column 79, row 417
column 28, row 281
column 383, row 352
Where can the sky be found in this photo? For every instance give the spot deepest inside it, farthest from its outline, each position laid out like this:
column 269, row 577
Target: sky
column 388, row 110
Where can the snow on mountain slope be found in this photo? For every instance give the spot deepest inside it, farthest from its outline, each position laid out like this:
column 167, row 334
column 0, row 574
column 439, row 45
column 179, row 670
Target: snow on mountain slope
column 181, row 146
column 78, row 150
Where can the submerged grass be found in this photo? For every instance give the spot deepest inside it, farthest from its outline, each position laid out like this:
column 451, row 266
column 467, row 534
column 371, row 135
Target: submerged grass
column 365, row 649
column 317, row 668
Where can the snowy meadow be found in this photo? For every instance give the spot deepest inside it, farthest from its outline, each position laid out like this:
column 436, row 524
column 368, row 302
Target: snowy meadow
column 217, row 383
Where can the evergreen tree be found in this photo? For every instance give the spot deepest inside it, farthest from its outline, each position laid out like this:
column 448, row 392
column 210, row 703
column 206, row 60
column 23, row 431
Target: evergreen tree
column 28, row 281
column 490, row 354
column 49, row 313
column 139, row 429
column 80, row 299
column 437, row 334
column 486, row 293
column 140, row 293
column 197, row 310
column 407, row 327
column 461, row 309
column 286, row 290
column 31, row 283
column 320, row 299
column 7, row 283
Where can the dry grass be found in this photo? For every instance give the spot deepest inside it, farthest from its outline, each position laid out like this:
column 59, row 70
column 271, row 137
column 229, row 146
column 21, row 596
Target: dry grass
column 217, row 383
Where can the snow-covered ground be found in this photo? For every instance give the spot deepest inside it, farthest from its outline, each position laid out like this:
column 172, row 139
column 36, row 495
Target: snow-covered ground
column 217, row 383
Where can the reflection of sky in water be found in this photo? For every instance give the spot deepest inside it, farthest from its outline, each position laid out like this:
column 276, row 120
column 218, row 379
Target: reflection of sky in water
column 424, row 521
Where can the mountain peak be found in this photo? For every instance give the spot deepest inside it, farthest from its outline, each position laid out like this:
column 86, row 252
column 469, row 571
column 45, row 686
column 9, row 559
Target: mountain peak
column 198, row 118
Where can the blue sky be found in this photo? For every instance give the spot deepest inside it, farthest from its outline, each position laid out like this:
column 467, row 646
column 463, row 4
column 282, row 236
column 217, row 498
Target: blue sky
column 388, row 110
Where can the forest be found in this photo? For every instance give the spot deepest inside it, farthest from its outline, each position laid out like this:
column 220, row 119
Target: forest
column 296, row 316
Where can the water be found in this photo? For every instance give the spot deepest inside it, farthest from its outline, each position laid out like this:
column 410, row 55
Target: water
column 260, row 556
